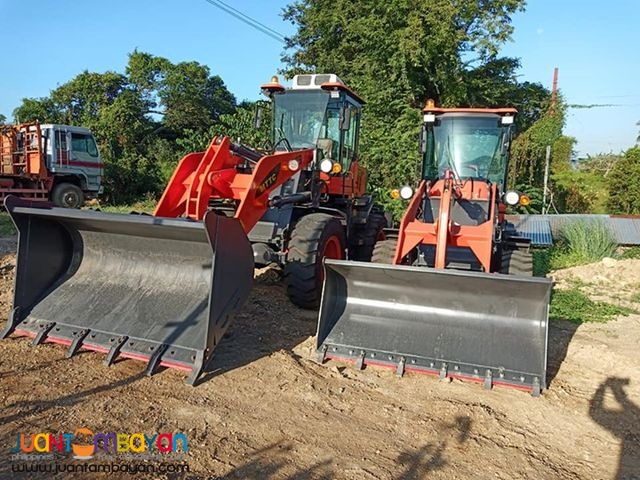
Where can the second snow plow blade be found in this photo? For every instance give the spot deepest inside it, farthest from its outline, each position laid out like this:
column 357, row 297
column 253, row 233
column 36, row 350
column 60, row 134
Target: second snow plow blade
column 489, row 328
column 152, row 289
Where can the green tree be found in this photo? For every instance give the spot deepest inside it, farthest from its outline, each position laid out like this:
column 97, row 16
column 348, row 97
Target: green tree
column 528, row 151
column 137, row 117
column 3, row 119
column 186, row 94
column 37, row 109
column 624, row 184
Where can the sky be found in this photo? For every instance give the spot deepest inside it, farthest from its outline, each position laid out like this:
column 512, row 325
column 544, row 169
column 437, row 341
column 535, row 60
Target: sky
column 594, row 45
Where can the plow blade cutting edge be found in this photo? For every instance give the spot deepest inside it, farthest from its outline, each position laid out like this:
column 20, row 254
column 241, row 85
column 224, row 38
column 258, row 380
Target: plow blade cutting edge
column 489, row 328
column 153, row 289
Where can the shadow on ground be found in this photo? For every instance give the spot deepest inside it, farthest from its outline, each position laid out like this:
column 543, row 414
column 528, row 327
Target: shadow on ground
column 560, row 334
column 269, row 322
column 611, row 408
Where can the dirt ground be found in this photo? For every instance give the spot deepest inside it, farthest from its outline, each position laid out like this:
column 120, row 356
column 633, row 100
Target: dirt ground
column 270, row 411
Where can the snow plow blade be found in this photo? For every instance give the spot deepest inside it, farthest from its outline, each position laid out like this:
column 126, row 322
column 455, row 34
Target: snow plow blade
column 489, row 328
column 135, row 286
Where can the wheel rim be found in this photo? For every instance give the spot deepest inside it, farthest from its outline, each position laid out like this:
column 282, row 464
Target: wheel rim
column 70, row 199
column 332, row 249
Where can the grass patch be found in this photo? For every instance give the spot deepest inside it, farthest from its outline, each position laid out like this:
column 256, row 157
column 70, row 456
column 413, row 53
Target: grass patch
column 6, row 225
column 143, row 206
column 554, row 258
column 541, row 261
column 579, row 243
column 631, row 252
column 584, row 242
column 576, row 307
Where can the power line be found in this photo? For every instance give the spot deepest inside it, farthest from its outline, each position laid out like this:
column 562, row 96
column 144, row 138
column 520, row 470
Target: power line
column 261, row 27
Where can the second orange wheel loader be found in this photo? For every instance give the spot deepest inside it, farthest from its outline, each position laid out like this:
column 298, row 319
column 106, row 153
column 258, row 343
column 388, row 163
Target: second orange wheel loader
column 451, row 291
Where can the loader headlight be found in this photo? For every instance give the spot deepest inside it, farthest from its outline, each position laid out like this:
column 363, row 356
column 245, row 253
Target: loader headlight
column 512, row 198
column 406, row 192
column 524, row 200
column 395, row 194
column 294, row 164
column 326, row 165
column 336, row 168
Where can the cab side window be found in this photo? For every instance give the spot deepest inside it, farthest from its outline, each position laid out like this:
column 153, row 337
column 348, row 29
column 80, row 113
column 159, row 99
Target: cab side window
column 350, row 137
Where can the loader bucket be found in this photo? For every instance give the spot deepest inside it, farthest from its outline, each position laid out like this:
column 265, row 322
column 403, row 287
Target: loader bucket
column 489, row 328
column 153, row 289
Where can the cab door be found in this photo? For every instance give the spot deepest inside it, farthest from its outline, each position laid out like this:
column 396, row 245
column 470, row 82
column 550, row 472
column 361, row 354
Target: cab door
column 60, row 148
column 84, row 152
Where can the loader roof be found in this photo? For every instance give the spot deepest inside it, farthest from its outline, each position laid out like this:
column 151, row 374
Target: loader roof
column 498, row 111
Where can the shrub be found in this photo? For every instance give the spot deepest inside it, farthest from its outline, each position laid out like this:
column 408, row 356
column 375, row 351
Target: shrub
column 583, row 242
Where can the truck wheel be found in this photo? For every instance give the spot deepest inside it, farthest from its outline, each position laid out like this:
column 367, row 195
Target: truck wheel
column 517, row 262
column 383, row 252
column 366, row 236
column 314, row 237
column 67, row 195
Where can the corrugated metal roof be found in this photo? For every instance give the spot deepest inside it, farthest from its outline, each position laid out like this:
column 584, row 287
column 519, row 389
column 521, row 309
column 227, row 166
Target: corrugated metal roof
column 543, row 229
column 534, row 227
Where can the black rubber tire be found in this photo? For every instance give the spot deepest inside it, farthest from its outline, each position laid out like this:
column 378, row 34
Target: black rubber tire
column 303, row 267
column 366, row 236
column 384, row 251
column 67, row 195
column 517, row 262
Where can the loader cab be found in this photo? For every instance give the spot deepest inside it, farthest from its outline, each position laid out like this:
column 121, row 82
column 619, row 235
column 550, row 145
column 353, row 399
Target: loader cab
column 318, row 111
column 470, row 143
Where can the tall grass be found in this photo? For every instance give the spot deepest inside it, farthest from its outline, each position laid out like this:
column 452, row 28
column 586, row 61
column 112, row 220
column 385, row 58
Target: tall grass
column 584, row 242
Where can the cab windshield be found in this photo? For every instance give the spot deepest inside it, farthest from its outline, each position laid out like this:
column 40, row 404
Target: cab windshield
column 471, row 147
column 299, row 117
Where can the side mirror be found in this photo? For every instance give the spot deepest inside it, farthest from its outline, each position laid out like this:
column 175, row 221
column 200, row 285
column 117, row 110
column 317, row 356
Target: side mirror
column 257, row 117
column 423, row 139
column 345, row 118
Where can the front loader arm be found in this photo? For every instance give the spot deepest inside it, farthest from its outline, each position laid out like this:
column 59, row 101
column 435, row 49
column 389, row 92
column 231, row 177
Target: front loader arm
column 214, row 174
column 270, row 172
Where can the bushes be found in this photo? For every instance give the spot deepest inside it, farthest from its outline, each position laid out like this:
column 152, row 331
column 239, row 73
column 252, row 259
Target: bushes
column 584, row 242
column 624, row 184
column 580, row 243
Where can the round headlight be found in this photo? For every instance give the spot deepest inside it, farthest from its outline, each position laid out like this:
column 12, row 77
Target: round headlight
column 512, row 198
column 395, row 193
column 294, row 165
column 336, row 168
column 326, row 165
column 406, row 192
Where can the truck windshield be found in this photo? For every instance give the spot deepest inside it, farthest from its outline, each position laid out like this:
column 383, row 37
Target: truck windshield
column 299, row 116
column 470, row 146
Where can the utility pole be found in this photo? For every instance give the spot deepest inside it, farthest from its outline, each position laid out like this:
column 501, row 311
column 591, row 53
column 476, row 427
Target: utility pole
column 547, row 160
column 546, row 180
column 554, row 90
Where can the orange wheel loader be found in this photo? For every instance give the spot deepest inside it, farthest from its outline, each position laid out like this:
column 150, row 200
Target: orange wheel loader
column 163, row 288
column 451, row 291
